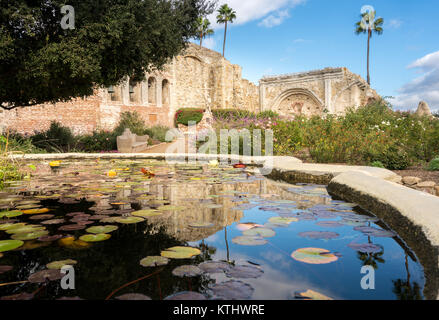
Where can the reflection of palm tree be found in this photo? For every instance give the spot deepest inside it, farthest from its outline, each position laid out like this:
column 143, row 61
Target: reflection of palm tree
column 227, row 244
column 403, row 289
column 371, row 259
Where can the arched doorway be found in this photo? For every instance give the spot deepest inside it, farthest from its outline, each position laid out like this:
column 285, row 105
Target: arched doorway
column 297, row 101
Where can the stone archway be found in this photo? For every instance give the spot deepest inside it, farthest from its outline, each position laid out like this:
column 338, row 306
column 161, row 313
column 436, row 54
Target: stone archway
column 298, row 101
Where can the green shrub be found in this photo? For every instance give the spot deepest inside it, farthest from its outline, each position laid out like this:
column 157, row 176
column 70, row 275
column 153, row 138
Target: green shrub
column 268, row 114
column 132, row 121
column 157, row 132
column 433, row 165
column 185, row 115
column 98, row 141
column 56, row 139
column 232, row 114
column 377, row 164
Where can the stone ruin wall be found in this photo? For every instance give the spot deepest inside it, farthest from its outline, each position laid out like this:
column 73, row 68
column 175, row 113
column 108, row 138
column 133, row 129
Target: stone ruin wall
column 331, row 90
column 198, row 78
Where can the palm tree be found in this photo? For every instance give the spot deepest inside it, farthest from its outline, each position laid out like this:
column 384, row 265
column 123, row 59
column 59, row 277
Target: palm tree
column 225, row 15
column 204, row 30
column 369, row 25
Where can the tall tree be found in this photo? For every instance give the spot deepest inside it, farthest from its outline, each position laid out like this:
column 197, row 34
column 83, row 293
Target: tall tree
column 42, row 62
column 225, row 15
column 369, row 24
column 204, row 29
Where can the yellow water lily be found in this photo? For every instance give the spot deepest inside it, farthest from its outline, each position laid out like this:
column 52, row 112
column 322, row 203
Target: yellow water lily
column 55, row 164
column 112, row 173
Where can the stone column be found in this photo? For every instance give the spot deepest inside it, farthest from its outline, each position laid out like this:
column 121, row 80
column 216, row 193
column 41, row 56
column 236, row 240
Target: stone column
column 159, row 83
column 261, row 96
column 144, row 92
column 125, row 92
column 328, row 95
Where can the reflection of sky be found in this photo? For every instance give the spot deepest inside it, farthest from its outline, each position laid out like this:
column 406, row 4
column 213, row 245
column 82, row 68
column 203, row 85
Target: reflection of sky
column 340, row 279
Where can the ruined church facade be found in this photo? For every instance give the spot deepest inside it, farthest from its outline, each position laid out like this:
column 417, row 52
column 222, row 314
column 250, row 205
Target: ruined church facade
column 197, row 78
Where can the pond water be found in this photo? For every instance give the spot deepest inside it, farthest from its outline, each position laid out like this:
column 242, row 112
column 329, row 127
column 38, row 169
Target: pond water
column 122, row 224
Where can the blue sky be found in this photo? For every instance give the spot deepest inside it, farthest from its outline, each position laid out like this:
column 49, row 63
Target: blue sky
column 283, row 36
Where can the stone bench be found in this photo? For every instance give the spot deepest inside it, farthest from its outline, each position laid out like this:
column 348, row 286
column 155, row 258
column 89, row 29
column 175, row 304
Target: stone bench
column 129, row 142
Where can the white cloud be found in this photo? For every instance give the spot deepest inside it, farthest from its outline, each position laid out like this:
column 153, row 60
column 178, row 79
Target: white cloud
column 210, row 43
column 275, row 19
column 394, row 23
column 250, row 10
column 424, row 87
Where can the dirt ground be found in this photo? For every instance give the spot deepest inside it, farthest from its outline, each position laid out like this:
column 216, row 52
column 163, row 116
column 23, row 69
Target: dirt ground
column 419, row 172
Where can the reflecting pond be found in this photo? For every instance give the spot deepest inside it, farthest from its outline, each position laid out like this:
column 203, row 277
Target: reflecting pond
column 144, row 229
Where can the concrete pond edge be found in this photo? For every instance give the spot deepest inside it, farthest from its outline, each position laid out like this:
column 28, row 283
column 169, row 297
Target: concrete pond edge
column 413, row 214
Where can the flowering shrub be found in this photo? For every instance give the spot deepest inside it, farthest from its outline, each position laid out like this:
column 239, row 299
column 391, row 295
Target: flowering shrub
column 370, row 134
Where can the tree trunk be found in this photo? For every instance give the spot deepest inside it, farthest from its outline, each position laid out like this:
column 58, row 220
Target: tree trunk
column 368, row 53
column 201, row 38
column 224, row 44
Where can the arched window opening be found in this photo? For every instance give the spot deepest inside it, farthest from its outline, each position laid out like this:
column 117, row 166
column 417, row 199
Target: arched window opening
column 165, row 93
column 152, row 91
column 134, row 89
column 115, row 93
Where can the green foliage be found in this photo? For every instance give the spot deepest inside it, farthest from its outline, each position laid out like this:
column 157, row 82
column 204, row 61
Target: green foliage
column 377, row 164
column 185, row 115
column 157, row 132
column 9, row 169
column 56, row 139
column 41, row 62
column 98, row 141
column 433, row 165
column 132, row 121
column 232, row 114
column 268, row 114
column 369, row 134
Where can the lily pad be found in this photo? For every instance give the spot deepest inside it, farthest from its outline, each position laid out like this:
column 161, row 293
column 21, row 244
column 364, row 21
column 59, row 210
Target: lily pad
column 129, row 220
column 53, row 221
column 133, row 297
column 258, row 231
column 374, row 232
column 186, row 295
column 154, row 261
column 187, row 271
column 42, row 217
column 4, row 269
column 95, row 237
column 102, row 229
column 311, row 295
column 180, row 252
column 50, row 238
column 249, row 240
column 314, row 256
column 146, row 213
column 282, row 220
column 8, row 226
column 30, row 235
column 49, row 274
column 214, row 266
column 71, row 227
column 365, row 247
column 247, row 226
column 25, row 229
column 36, row 211
column 329, row 224
column 57, row 265
column 319, row 235
column 233, row 290
column 244, row 272
column 10, row 214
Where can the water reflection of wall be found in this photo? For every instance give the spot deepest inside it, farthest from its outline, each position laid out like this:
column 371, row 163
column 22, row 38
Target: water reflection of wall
column 189, row 195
